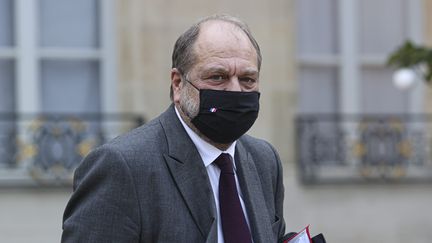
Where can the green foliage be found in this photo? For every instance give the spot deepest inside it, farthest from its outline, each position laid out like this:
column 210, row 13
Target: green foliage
column 411, row 55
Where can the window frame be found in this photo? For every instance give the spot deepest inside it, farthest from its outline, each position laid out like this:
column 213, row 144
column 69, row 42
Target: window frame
column 350, row 61
column 28, row 56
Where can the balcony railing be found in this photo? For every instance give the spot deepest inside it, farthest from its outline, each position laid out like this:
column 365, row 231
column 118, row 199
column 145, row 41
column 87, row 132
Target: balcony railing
column 366, row 148
column 45, row 149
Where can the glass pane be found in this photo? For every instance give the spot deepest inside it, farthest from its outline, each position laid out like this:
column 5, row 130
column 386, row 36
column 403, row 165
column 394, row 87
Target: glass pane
column 7, row 90
column 7, row 105
column 66, row 23
column 379, row 95
column 382, row 25
column 70, row 86
column 6, row 23
column 317, row 26
column 318, row 90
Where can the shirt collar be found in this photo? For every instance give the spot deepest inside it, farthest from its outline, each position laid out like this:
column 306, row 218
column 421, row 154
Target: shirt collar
column 207, row 151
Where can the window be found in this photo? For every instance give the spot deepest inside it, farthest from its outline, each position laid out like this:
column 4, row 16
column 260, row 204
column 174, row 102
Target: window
column 342, row 49
column 366, row 132
column 69, row 59
column 65, row 55
column 56, row 56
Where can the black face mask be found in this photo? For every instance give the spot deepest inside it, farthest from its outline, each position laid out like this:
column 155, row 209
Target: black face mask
column 224, row 116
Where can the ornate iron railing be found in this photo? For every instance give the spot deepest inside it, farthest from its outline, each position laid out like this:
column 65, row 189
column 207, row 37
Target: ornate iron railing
column 45, row 149
column 366, row 148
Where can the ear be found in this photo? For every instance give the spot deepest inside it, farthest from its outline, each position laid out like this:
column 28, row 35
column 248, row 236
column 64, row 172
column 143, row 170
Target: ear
column 176, row 84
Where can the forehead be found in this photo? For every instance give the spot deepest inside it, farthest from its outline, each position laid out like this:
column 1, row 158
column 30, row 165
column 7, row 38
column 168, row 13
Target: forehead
column 218, row 39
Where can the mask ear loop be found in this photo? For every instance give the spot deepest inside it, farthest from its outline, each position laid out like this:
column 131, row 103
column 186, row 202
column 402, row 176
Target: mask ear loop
column 187, row 80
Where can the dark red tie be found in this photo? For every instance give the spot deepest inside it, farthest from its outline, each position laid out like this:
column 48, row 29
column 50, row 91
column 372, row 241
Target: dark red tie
column 234, row 226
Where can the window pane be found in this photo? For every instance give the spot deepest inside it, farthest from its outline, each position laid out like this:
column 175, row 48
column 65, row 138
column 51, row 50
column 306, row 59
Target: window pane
column 70, row 86
column 318, row 90
column 317, row 25
column 66, row 23
column 379, row 95
column 7, row 90
column 7, row 104
column 382, row 25
column 6, row 23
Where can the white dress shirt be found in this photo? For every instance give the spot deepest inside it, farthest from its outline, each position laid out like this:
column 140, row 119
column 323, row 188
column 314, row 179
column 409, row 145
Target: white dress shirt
column 208, row 154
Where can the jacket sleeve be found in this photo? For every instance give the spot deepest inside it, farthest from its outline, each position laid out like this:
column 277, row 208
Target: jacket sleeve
column 279, row 227
column 104, row 205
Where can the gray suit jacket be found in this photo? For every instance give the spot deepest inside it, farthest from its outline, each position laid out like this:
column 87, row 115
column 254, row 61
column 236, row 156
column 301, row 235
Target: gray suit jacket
column 150, row 185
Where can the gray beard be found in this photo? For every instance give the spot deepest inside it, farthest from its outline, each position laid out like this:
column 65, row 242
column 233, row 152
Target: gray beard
column 188, row 104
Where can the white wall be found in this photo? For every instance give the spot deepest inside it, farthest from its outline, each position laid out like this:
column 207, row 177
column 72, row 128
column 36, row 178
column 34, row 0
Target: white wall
column 31, row 215
column 373, row 213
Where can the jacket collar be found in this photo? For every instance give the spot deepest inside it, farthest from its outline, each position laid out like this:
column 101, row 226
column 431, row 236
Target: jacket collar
column 190, row 175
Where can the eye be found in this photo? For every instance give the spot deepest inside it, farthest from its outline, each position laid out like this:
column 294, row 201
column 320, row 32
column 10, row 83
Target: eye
column 218, row 77
column 248, row 81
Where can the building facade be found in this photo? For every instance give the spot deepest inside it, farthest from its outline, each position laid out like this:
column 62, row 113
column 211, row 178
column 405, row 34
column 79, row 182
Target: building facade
column 107, row 59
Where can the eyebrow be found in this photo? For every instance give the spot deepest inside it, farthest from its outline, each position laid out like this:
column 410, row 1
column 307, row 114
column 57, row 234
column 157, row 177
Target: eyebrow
column 250, row 72
column 220, row 69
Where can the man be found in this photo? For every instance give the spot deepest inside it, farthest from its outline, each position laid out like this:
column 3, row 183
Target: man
column 190, row 175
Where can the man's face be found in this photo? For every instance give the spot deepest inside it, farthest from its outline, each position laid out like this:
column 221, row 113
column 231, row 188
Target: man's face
column 226, row 60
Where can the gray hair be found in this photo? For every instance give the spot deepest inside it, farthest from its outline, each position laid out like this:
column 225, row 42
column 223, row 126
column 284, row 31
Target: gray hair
column 183, row 56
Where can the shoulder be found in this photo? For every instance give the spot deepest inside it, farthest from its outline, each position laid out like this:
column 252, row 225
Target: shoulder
column 257, row 146
column 140, row 148
column 146, row 140
column 264, row 156
column 148, row 136
column 122, row 157
column 127, row 149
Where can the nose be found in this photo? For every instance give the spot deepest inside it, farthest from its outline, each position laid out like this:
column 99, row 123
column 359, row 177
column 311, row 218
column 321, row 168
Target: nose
column 234, row 84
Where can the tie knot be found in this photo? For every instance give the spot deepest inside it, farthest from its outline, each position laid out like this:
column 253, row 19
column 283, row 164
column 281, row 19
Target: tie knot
column 224, row 163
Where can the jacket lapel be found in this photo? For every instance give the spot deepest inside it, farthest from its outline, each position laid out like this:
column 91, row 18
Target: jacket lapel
column 253, row 196
column 190, row 175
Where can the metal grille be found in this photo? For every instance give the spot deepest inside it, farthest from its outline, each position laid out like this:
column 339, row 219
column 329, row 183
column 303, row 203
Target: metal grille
column 368, row 148
column 45, row 149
